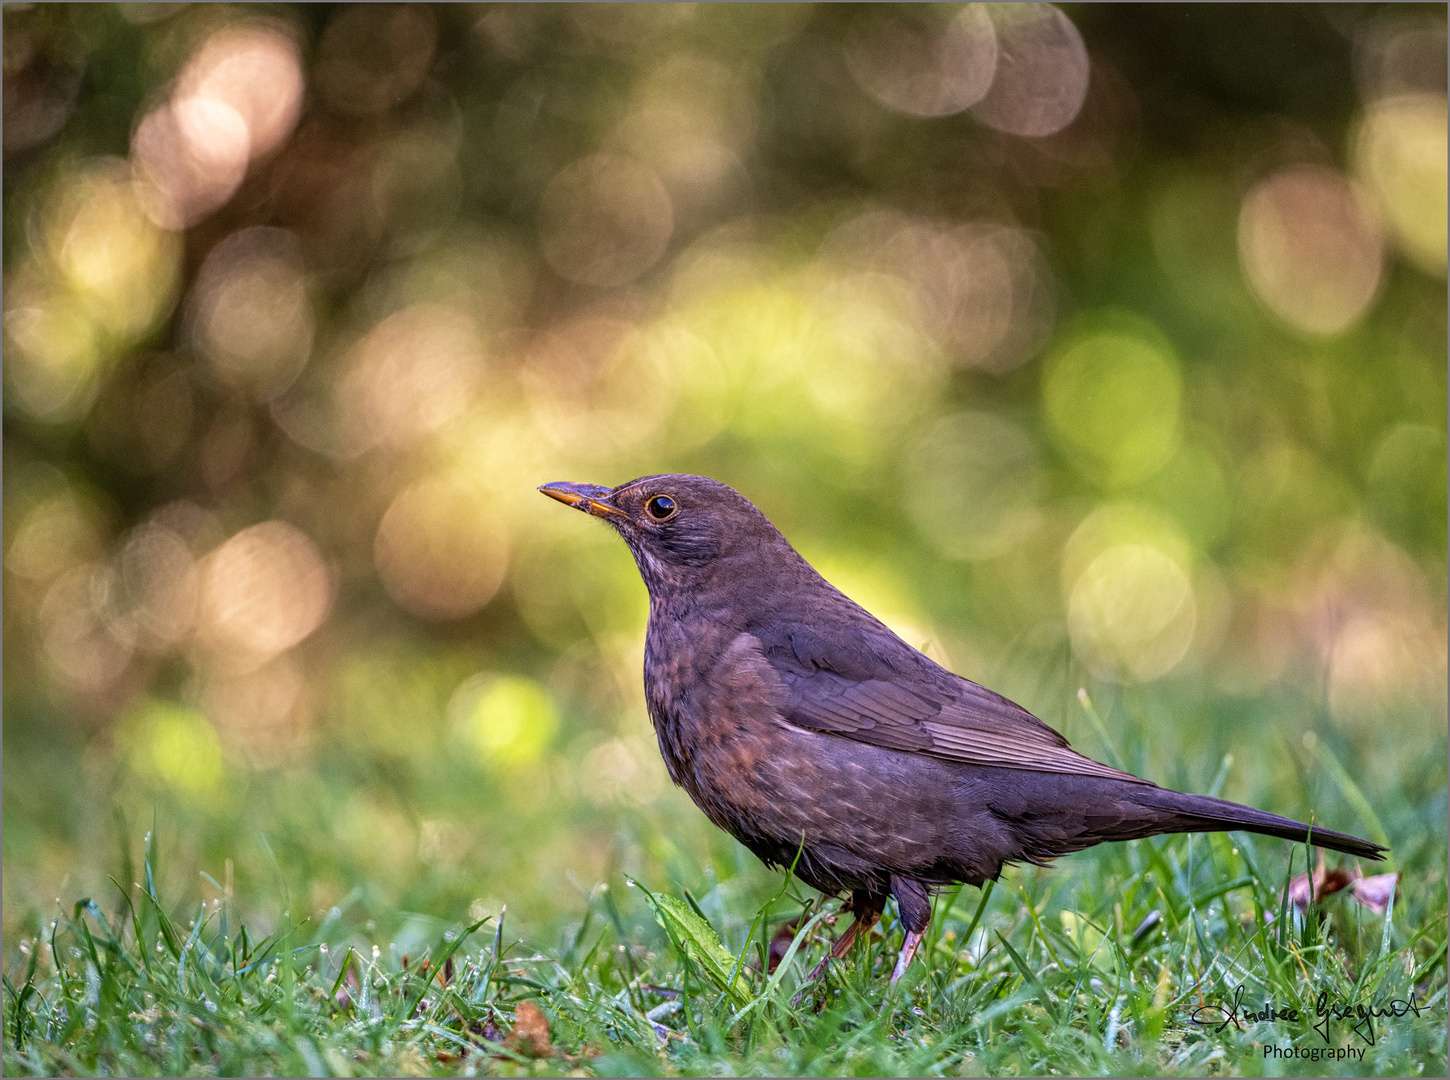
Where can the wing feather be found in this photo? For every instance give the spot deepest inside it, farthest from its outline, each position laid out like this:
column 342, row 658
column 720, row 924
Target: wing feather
column 847, row 674
column 972, row 725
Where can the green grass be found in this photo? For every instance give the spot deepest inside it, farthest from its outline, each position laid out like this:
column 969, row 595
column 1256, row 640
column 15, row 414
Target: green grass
column 280, row 922
column 1091, row 967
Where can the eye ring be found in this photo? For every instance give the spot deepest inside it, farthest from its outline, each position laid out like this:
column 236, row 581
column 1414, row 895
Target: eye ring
column 661, row 507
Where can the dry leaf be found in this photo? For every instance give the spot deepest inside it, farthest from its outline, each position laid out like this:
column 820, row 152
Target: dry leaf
column 530, row 1035
column 1326, row 883
column 1372, row 892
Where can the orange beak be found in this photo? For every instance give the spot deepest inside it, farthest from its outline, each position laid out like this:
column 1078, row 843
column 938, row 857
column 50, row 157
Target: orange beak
column 589, row 498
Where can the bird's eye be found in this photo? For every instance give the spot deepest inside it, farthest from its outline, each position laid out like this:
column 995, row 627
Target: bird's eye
column 660, row 507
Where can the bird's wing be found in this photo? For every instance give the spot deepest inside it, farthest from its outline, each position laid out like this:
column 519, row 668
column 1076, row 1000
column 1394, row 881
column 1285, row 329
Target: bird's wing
column 942, row 715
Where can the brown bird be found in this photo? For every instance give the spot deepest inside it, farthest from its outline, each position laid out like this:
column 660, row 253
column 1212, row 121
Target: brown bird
column 802, row 726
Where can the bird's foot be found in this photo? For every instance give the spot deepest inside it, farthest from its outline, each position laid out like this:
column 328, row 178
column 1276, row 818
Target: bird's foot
column 908, row 950
column 820, row 969
column 812, row 984
column 838, row 950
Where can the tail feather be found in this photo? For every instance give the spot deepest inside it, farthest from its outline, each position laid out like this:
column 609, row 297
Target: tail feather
column 1199, row 813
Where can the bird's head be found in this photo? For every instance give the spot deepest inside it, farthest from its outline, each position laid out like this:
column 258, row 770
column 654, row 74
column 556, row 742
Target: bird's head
column 684, row 531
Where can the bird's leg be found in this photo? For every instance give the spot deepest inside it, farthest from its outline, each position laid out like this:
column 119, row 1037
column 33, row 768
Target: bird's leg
column 866, row 908
column 915, row 908
column 908, row 950
column 841, row 947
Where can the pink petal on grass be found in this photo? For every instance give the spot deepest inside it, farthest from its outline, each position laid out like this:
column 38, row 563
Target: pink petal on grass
column 1326, row 883
column 1374, row 892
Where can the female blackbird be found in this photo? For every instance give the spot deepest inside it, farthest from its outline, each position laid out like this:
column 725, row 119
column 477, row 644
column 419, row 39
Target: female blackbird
column 801, row 725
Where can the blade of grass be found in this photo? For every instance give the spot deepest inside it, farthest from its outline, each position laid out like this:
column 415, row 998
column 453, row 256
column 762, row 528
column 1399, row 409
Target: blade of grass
column 698, row 943
column 341, row 975
column 438, row 967
column 79, row 919
column 23, row 1017
column 768, row 992
column 1032, row 914
column 631, row 988
column 1115, row 758
column 1220, row 778
column 1388, row 926
column 141, row 950
column 1279, row 927
column 163, row 921
column 1305, row 934
column 1435, row 959
column 977, row 917
column 1219, row 890
column 190, row 943
column 1030, row 977
column 940, row 910
column 762, row 912
column 1356, row 799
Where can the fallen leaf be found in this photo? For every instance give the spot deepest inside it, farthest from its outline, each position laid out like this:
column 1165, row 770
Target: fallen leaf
column 1326, row 883
column 1372, row 892
column 530, row 1035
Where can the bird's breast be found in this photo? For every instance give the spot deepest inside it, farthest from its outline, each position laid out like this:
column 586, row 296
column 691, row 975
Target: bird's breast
column 847, row 807
column 714, row 703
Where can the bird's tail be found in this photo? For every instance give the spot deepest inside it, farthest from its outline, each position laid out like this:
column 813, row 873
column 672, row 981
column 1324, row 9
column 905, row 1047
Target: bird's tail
column 1199, row 813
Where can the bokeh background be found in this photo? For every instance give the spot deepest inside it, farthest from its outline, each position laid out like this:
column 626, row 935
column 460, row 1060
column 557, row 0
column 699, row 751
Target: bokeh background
column 1090, row 346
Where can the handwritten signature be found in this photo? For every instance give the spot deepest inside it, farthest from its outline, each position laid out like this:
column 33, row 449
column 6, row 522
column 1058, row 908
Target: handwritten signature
column 1327, row 1010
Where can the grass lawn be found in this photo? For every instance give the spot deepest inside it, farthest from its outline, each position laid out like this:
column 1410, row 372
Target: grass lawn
column 1100, row 352
column 1097, row 966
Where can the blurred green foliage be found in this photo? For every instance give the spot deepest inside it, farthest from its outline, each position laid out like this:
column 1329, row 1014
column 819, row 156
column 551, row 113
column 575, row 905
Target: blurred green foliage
column 1128, row 372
